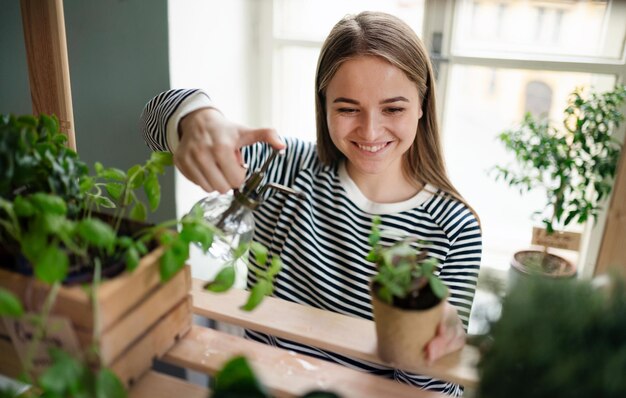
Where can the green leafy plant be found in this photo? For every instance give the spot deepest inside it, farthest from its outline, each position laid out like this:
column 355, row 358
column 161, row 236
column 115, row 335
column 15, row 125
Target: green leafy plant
column 572, row 348
column 405, row 275
column 50, row 214
column 574, row 162
column 33, row 158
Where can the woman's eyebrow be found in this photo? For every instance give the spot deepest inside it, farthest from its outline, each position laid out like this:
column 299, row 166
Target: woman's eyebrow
column 385, row 101
column 348, row 100
column 394, row 99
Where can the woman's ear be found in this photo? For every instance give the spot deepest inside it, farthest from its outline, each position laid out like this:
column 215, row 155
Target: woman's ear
column 419, row 113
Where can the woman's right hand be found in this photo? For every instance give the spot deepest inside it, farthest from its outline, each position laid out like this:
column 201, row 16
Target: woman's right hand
column 209, row 150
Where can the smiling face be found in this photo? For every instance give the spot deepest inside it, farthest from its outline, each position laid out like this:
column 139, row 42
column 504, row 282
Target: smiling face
column 372, row 111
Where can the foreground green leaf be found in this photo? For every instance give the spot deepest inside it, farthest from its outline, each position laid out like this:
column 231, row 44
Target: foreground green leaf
column 9, row 304
column 257, row 294
column 223, row 281
column 236, row 379
column 52, row 265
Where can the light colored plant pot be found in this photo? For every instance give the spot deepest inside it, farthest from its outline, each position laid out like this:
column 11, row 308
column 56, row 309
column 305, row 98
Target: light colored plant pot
column 402, row 334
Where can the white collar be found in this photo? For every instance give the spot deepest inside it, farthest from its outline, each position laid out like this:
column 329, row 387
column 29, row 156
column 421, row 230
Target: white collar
column 356, row 196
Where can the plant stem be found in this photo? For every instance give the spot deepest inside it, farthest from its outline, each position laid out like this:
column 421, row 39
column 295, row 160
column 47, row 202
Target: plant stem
column 40, row 327
column 96, row 309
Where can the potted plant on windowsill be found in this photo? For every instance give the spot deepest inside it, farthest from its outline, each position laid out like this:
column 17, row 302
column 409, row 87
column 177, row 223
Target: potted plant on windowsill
column 49, row 231
column 574, row 164
column 407, row 299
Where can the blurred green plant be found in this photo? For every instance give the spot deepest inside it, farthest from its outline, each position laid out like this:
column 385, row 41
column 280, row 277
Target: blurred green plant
column 575, row 347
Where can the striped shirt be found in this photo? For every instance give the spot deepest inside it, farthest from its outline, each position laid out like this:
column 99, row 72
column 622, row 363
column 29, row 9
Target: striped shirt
column 322, row 237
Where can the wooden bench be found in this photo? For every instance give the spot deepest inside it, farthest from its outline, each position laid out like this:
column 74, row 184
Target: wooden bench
column 286, row 373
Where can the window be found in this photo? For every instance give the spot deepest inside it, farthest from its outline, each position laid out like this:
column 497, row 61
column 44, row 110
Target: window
column 503, row 59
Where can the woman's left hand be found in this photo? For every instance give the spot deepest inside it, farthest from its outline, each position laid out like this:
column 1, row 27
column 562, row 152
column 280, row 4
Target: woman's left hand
column 450, row 335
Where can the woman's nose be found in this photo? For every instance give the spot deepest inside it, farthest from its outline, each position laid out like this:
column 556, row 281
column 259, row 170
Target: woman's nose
column 370, row 125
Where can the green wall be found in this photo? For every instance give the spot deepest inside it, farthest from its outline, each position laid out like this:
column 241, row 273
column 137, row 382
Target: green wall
column 118, row 58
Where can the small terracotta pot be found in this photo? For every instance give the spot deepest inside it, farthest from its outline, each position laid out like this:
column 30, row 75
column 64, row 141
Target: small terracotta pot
column 402, row 334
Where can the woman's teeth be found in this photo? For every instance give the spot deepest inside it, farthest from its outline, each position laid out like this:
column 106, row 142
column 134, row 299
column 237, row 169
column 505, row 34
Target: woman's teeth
column 371, row 148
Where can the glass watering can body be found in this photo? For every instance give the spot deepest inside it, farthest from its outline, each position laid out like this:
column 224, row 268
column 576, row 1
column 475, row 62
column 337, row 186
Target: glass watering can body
column 232, row 213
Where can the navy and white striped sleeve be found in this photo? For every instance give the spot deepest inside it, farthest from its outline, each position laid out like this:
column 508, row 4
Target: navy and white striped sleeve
column 460, row 268
column 160, row 117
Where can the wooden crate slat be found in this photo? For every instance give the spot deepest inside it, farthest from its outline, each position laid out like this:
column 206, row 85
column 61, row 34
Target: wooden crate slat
column 158, row 385
column 8, row 357
column 131, row 327
column 343, row 334
column 138, row 358
column 285, row 373
column 75, row 302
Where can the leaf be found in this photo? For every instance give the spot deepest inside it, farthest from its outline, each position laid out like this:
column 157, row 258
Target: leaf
column 52, row 265
column 64, row 372
column 223, row 281
column 138, row 212
column 49, row 203
column 9, row 304
column 236, row 379
column 115, row 189
column 275, row 267
column 439, row 289
column 112, row 173
column 96, row 232
column 258, row 292
column 33, row 244
column 197, row 233
column 153, row 191
column 240, row 250
column 174, row 258
column 259, row 251
column 372, row 256
column 162, row 158
column 86, row 184
column 22, row 207
column 108, row 385
column 131, row 257
column 168, row 265
column 52, row 223
column 136, row 176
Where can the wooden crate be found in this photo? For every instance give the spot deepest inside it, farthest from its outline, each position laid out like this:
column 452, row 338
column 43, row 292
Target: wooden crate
column 139, row 317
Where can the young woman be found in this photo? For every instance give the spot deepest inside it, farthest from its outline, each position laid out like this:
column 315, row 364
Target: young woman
column 378, row 152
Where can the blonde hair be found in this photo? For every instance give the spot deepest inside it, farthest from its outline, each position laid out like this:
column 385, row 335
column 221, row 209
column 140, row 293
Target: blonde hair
column 386, row 36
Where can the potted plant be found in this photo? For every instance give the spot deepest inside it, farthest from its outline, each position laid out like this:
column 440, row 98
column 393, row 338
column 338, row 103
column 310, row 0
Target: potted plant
column 52, row 235
column 407, row 299
column 572, row 348
column 574, row 163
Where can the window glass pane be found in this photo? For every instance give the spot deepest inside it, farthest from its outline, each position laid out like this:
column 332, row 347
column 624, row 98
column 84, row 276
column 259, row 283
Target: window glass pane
column 294, row 83
column 312, row 20
column 480, row 103
column 546, row 27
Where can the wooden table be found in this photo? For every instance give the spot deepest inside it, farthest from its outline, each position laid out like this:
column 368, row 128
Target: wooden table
column 286, row 373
